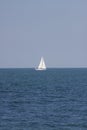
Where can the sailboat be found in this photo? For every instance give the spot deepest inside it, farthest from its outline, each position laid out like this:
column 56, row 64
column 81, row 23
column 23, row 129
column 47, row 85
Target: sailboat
column 42, row 65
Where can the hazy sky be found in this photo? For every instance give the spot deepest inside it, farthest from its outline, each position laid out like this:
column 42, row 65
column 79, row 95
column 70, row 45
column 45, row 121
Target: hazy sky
column 54, row 29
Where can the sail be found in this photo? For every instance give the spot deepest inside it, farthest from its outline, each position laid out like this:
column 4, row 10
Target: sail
column 42, row 65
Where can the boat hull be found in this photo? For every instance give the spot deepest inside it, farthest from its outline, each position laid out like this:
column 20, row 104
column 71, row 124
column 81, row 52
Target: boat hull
column 40, row 69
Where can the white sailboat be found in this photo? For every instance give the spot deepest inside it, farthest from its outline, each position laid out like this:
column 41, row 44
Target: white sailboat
column 42, row 65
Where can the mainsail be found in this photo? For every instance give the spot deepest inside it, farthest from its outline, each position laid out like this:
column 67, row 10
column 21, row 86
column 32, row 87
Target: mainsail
column 42, row 65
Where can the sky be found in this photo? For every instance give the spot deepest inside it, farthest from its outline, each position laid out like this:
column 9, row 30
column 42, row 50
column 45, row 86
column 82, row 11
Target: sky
column 54, row 29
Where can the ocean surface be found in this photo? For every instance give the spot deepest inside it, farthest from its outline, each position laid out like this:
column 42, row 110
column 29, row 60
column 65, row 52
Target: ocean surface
column 55, row 99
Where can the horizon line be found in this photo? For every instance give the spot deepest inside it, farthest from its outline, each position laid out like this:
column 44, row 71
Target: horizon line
column 47, row 67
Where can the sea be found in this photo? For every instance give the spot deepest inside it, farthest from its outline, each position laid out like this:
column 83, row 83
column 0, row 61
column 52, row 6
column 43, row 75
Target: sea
column 55, row 99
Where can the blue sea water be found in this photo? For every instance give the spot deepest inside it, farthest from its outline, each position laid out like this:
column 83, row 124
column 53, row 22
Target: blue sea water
column 55, row 99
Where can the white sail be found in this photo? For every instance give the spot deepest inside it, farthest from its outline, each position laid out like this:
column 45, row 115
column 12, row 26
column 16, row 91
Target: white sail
column 42, row 65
